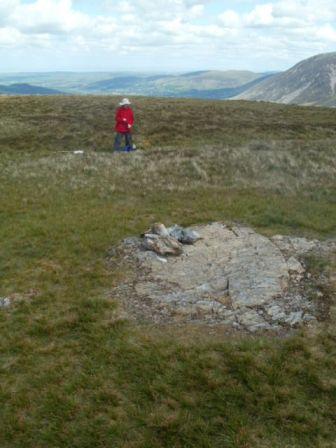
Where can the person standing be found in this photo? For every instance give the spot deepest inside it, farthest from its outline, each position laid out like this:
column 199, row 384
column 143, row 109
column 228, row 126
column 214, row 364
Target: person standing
column 124, row 123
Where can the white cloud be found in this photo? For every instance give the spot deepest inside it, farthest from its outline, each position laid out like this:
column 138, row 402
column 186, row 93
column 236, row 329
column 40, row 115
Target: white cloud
column 6, row 7
column 261, row 15
column 326, row 32
column 104, row 26
column 10, row 37
column 279, row 30
column 160, row 9
column 285, row 28
column 125, row 7
column 196, row 11
column 307, row 10
column 48, row 16
column 230, row 19
column 283, row 14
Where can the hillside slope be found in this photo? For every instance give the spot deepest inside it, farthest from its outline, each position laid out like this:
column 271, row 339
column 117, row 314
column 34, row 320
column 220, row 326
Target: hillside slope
column 27, row 89
column 310, row 82
column 223, row 93
column 202, row 84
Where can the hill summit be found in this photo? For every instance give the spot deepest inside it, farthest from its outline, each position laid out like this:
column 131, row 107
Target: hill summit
column 310, row 82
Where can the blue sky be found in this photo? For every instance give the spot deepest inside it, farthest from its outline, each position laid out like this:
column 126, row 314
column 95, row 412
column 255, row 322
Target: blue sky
column 211, row 8
column 163, row 35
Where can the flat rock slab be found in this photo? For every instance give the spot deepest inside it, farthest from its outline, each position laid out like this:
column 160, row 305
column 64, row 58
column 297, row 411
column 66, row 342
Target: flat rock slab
column 232, row 275
column 241, row 263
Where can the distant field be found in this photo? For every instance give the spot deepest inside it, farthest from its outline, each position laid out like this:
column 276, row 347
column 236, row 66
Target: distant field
column 73, row 374
column 202, row 84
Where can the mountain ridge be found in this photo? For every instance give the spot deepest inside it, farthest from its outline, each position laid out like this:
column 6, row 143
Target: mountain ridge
column 309, row 82
column 198, row 84
column 201, row 84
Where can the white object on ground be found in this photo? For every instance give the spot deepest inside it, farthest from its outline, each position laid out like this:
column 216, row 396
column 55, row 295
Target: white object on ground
column 4, row 302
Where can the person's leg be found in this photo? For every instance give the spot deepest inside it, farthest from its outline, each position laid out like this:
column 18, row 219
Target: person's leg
column 129, row 143
column 117, row 141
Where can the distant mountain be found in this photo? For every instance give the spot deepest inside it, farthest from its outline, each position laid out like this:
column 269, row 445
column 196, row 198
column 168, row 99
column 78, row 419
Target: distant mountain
column 115, row 83
column 27, row 89
column 68, row 82
column 224, row 93
column 207, row 80
column 210, row 84
column 310, row 82
column 201, row 84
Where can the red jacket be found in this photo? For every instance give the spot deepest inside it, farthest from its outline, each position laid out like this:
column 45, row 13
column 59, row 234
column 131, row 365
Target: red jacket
column 124, row 119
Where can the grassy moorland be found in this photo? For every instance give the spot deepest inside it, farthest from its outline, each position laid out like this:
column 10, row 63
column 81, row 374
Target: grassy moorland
column 73, row 373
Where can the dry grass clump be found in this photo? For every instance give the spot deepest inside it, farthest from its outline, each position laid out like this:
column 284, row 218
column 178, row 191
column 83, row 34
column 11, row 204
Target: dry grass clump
column 281, row 170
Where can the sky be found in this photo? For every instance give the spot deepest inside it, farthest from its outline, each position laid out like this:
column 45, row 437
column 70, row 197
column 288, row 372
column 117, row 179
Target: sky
column 163, row 35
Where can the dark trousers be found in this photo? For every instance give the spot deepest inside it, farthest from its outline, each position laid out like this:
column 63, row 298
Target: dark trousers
column 118, row 138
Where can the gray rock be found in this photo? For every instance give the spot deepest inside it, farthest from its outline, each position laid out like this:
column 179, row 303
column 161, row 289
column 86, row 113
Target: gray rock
column 294, row 318
column 292, row 244
column 258, row 327
column 253, row 321
column 205, row 287
column 160, row 229
column 184, row 236
column 165, row 241
column 276, row 313
column 295, row 266
column 133, row 241
column 208, row 306
column 296, row 246
column 232, row 275
column 176, row 231
column 5, row 302
column 228, row 317
column 162, row 245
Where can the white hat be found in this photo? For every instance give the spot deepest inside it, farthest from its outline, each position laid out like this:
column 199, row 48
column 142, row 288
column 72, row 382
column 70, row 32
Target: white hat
column 125, row 102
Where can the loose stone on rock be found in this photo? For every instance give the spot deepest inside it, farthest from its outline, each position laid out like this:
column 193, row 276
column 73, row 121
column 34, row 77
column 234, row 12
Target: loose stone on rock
column 160, row 229
column 162, row 245
column 165, row 241
column 184, row 236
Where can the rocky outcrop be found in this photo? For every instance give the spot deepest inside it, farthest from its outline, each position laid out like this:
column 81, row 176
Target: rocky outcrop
column 232, row 275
